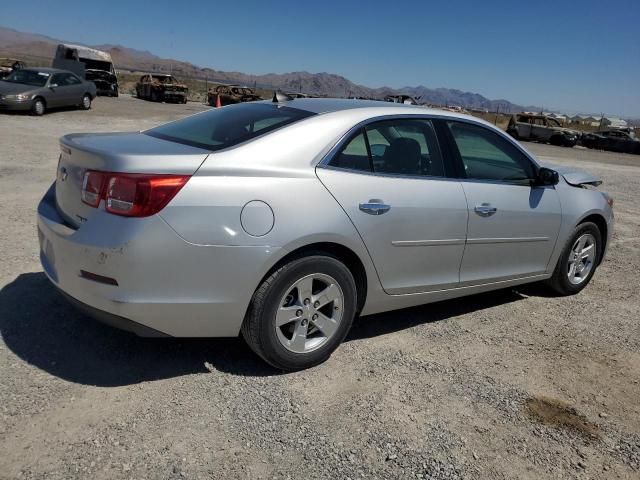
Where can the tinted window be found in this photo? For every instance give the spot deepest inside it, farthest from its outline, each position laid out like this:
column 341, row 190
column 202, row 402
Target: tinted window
column 487, row 156
column 405, row 147
column 399, row 147
column 223, row 127
column 65, row 79
column 354, row 155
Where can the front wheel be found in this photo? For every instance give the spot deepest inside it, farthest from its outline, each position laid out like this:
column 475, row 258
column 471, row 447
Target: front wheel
column 38, row 107
column 86, row 102
column 301, row 312
column 578, row 261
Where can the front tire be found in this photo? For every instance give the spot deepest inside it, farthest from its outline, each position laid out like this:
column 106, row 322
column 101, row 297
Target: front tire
column 301, row 313
column 85, row 104
column 578, row 260
column 38, row 107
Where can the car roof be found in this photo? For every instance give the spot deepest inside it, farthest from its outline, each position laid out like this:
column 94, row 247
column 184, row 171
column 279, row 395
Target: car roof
column 373, row 107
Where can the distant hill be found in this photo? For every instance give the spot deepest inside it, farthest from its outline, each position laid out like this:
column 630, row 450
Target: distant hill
column 125, row 58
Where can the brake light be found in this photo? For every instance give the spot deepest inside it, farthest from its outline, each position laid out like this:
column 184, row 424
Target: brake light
column 131, row 194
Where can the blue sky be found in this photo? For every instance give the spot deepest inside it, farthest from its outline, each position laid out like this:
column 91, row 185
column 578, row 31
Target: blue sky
column 578, row 56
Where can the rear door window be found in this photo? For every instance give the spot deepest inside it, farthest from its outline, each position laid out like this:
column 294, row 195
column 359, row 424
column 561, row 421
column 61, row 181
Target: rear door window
column 224, row 127
column 407, row 147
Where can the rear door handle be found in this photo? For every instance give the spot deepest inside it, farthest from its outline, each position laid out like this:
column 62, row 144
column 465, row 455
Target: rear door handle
column 375, row 207
column 485, row 210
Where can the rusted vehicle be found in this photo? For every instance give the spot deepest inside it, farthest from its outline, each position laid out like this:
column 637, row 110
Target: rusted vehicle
column 614, row 140
column 93, row 65
column 8, row 65
column 229, row 94
column 541, row 128
column 161, row 88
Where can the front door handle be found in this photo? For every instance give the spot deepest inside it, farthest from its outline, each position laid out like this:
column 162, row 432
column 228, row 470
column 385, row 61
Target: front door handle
column 375, row 207
column 485, row 210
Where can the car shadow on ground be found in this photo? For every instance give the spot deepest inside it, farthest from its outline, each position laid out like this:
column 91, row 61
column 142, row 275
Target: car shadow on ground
column 39, row 326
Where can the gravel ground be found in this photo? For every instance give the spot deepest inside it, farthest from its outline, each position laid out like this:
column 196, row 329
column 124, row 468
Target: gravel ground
column 511, row 384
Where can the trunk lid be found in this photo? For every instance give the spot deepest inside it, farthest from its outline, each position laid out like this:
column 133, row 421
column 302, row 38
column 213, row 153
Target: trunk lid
column 115, row 152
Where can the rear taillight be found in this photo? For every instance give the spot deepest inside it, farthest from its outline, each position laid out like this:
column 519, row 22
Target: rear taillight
column 131, row 194
column 92, row 188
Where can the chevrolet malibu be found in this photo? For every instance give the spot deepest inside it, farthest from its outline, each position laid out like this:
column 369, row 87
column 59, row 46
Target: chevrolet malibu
column 284, row 220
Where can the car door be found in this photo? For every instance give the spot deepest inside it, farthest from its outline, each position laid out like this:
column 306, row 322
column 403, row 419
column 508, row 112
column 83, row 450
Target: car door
column 524, row 126
column 55, row 94
column 74, row 89
column 513, row 224
column 390, row 178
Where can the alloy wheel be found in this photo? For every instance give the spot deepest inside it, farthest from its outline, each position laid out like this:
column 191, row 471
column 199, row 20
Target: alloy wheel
column 309, row 313
column 581, row 259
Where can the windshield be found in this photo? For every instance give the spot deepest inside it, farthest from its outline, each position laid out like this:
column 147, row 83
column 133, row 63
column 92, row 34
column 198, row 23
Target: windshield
column 224, row 127
column 164, row 78
column 96, row 64
column 28, row 77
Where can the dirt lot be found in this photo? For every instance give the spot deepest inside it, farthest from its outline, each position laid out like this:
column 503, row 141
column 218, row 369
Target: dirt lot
column 513, row 384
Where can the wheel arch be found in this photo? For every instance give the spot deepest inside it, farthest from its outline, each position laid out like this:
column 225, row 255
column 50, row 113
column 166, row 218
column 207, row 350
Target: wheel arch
column 600, row 222
column 341, row 252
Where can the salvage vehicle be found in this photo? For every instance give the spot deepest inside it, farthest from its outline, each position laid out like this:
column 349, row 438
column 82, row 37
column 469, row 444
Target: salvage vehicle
column 229, row 94
column 541, row 128
column 285, row 219
column 8, row 65
column 93, row 65
column 615, row 140
column 40, row 89
column 159, row 87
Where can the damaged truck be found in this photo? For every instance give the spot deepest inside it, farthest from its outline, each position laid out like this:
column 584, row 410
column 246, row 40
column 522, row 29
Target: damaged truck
column 93, row 65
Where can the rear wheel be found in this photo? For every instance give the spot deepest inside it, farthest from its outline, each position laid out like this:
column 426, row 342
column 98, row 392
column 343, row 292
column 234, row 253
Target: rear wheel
column 301, row 313
column 38, row 107
column 86, row 102
column 578, row 261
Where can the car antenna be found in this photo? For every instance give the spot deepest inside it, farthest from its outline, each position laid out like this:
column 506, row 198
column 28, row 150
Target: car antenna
column 279, row 96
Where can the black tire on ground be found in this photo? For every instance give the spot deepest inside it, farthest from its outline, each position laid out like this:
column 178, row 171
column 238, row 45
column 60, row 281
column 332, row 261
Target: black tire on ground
column 259, row 330
column 85, row 103
column 155, row 97
column 38, row 107
column 514, row 133
column 559, row 281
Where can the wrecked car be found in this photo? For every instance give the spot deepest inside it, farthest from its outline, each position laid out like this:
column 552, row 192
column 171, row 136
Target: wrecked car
column 8, row 65
column 614, row 140
column 93, row 65
column 229, row 94
column 159, row 87
column 541, row 128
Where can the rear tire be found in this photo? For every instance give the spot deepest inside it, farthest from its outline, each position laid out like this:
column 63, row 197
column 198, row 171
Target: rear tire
column 39, row 107
column 291, row 323
column 568, row 279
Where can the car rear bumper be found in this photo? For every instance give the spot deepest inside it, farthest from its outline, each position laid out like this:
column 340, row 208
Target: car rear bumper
column 157, row 282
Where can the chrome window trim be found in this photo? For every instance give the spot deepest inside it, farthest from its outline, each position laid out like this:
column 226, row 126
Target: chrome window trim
column 333, row 151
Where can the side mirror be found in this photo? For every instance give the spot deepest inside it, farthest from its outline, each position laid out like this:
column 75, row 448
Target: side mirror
column 53, row 85
column 546, row 176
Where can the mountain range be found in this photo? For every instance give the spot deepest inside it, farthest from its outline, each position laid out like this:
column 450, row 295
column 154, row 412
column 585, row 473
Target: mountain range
column 13, row 42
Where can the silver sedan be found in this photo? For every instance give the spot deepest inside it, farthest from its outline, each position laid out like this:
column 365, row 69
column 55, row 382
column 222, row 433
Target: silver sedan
column 284, row 220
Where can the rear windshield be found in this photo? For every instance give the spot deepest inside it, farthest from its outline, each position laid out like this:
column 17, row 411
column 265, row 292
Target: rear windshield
column 224, row 127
